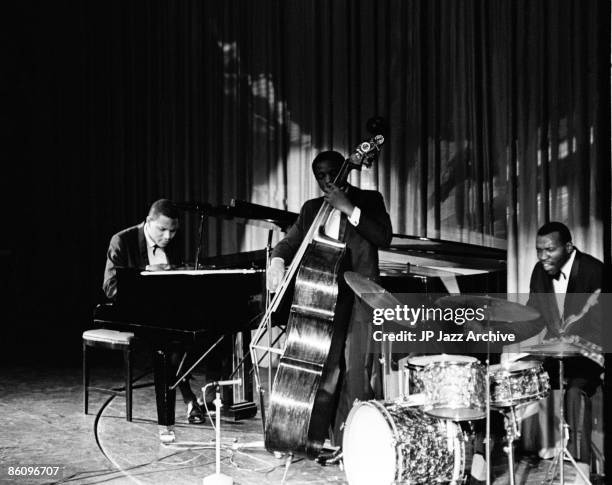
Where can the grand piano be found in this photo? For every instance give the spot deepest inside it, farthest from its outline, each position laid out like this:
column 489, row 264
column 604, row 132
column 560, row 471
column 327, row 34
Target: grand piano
column 191, row 307
column 197, row 306
column 423, row 265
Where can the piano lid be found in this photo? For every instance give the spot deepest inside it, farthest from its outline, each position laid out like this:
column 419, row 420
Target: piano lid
column 438, row 254
column 261, row 215
column 201, row 272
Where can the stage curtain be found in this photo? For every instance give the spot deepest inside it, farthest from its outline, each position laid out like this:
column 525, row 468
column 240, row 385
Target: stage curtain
column 496, row 114
column 494, row 111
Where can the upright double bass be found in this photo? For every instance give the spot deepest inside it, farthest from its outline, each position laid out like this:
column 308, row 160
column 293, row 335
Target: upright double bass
column 301, row 403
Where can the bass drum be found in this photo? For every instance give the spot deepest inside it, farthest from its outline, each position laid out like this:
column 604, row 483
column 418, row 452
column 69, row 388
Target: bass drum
column 387, row 443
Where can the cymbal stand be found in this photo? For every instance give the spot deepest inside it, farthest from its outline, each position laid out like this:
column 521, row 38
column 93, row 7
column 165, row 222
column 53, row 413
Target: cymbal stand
column 512, row 433
column 385, row 365
column 488, row 422
column 562, row 452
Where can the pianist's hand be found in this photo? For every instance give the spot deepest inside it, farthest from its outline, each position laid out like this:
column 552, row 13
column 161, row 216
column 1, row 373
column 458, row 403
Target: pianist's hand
column 157, row 267
column 275, row 274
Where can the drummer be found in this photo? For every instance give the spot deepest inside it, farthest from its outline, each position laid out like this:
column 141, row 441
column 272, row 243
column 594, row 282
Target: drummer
column 562, row 269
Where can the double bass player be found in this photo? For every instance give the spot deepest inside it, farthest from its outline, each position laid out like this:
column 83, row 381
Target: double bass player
column 360, row 220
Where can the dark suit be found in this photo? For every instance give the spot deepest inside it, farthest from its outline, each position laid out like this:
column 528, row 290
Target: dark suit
column 128, row 249
column 582, row 374
column 585, row 277
column 374, row 231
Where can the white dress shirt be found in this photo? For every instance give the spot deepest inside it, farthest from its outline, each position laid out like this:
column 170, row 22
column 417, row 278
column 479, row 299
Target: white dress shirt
column 156, row 254
column 560, row 284
column 332, row 226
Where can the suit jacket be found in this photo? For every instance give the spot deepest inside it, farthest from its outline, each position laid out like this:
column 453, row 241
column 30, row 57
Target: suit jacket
column 128, row 249
column 586, row 276
column 362, row 241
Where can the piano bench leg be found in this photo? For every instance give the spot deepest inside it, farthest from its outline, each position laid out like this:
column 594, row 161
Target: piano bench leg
column 127, row 357
column 85, row 380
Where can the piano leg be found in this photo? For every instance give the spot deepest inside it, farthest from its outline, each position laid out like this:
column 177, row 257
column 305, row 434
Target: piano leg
column 241, row 368
column 164, row 397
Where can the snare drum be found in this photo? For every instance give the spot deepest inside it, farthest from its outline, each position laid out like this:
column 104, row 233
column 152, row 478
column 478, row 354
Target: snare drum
column 518, row 383
column 413, row 370
column 455, row 389
column 388, row 443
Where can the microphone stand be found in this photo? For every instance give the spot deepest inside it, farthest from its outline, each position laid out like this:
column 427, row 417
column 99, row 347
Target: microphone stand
column 202, row 212
column 268, row 299
column 203, row 209
column 218, row 478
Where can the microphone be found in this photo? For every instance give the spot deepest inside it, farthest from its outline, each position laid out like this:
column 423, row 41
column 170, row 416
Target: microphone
column 232, row 382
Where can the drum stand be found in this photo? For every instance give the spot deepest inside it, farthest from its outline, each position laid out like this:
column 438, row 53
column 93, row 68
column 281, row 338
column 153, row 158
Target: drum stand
column 562, row 451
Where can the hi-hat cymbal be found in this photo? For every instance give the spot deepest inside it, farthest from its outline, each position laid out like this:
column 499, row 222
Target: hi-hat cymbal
column 558, row 348
column 496, row 310
column 568, row 346
column 374, row 295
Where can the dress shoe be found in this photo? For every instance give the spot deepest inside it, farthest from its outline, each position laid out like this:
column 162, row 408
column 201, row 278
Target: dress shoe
column 166, row 434
column 195, row 415
column 325, row 459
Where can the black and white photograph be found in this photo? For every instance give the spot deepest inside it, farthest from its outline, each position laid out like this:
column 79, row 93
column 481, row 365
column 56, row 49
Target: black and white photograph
column 353, row 242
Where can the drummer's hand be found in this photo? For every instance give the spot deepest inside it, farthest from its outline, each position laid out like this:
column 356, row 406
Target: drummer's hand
column 275, row 274
column 571, row 319
column 337, row 198
column 591, row 302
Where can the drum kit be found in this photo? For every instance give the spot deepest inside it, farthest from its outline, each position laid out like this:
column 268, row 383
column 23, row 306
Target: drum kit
column 418, row 437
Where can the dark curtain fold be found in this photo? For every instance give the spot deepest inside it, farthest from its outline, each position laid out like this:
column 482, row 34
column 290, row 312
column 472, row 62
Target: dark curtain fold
column 497, row 114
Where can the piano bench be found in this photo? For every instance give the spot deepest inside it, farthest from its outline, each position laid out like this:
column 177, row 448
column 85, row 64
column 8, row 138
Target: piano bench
column 112, row 340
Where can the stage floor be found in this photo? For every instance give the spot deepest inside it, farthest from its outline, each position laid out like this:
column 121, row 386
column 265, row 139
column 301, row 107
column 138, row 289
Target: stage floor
column 42, row 423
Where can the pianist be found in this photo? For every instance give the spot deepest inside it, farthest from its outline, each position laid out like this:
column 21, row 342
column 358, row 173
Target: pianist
column 151, row 245
column 362, row 221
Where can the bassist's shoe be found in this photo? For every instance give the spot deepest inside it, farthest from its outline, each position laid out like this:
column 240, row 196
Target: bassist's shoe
column 333, row 458
column 195, row 415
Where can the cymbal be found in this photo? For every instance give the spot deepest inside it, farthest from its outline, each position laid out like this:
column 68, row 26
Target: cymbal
column 374, row 295
column 496, row 310
column 423, row 271
column 521, row 330
column 556, row 348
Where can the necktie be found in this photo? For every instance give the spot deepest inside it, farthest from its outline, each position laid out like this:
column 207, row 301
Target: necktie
column 155, row 248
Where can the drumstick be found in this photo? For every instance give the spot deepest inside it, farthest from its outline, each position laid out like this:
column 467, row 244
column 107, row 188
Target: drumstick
column 591, row 302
